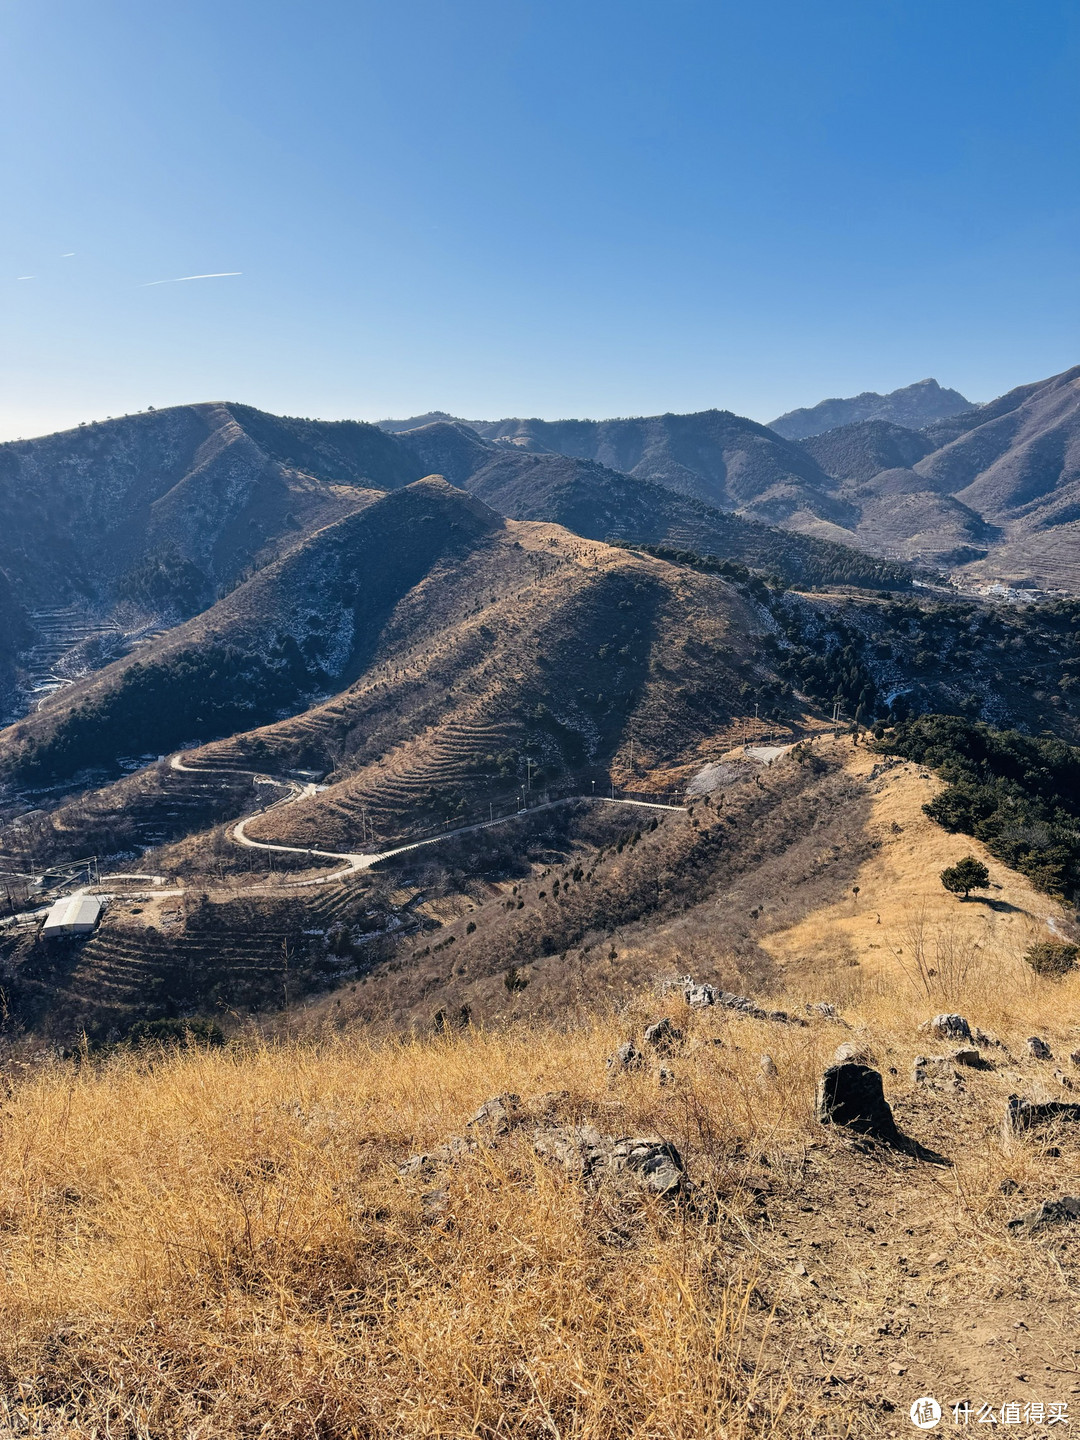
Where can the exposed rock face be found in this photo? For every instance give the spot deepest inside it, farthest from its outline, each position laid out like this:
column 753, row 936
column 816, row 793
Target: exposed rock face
column 912, row 406
column 700, row 996
column 497, row 1116
column 629, row 1163
column 646, row 1161
column 1039, row 1049
column 1050, row 1212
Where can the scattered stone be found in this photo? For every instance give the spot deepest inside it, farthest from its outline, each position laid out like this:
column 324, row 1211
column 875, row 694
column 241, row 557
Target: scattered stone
column 699, row 996
column 1023, row 1114
column 853, row 1095
column 935, row 1070
column 1050, row 1212
column 430, row 1161
column 948, row 1027
column 824, row 1008
column 768, row 1067
column 626, row 1057
column 497, row 1116
column 647, row 1162
column 664, row 1076
column 1075, row 1058
column 969, row 1056
column 1065, row 1080
column 1038, row 1048
column 663, row 1035
column 434, row 1203
column 986, row 1039
column 1008, row 1186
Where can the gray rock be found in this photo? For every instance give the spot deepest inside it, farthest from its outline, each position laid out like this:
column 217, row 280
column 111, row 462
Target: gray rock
column 1022, row 1114
column 823, row 1008
column 663, row 1035
column 1038, row 1048
column 498, row 1115
column 664, row 1076
column 431, row 1161
column 935, row 1070
column 644, row 1162
column 1050, row 1212
column 699, row 996
column 655, row 1164
column 969, row 1056
column 1075, row 1057
column 948, row 1027
column 626, row 1057
column 767, row 1065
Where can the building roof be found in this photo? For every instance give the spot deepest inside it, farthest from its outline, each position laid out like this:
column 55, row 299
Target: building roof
column 73, row 912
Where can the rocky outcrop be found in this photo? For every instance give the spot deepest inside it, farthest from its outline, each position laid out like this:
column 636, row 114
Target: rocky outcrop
column 625, row 1163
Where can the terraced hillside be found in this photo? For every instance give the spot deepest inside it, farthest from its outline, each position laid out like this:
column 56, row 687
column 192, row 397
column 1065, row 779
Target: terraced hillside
column 541, row 655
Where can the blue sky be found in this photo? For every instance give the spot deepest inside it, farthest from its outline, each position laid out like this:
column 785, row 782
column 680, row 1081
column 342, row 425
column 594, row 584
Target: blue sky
column 532, row 207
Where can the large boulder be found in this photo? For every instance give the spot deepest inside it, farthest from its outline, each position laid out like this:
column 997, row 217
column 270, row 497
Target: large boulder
column 663, row 1035
column 853, row 1095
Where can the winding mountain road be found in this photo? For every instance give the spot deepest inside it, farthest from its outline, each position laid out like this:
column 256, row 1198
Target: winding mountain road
column 355, row 861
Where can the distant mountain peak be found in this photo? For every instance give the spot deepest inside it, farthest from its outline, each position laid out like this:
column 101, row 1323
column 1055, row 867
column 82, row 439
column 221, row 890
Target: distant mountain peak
column 913, row 406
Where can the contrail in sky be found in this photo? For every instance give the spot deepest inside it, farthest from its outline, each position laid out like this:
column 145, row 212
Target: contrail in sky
column 217, row 275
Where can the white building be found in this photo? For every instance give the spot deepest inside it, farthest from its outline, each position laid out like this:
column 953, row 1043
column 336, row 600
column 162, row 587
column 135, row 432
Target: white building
column 72, row 915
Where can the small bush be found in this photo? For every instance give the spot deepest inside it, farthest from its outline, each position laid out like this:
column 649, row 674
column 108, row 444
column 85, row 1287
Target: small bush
column 1052, row 958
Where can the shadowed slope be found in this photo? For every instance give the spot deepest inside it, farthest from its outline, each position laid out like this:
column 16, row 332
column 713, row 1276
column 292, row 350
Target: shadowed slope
column 303, row 624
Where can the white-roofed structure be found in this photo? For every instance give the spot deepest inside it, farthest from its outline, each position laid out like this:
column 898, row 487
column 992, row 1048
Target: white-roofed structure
column 72, row 915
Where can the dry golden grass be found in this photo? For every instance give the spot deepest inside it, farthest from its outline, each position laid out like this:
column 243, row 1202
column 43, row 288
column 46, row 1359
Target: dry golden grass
column 219, row 1244
column 902, row 924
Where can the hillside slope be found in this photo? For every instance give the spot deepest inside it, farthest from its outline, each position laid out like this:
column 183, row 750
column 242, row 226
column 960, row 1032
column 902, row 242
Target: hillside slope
column 722, row 459
column 304, row 623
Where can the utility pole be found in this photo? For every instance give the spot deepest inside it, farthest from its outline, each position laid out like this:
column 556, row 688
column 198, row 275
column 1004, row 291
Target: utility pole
column 491, row 810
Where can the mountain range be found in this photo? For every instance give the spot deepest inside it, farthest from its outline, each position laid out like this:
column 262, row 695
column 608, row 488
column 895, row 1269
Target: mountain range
column 988, row 492
column 402, row 628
